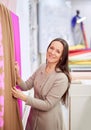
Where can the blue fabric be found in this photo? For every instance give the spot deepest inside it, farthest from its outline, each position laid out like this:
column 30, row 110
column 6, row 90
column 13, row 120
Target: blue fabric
column 74, row 20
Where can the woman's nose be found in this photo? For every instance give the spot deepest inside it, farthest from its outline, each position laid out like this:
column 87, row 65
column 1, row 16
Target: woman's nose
column 53, row 51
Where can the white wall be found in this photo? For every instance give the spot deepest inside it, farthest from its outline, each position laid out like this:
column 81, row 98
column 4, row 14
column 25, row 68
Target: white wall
column 22, row 10
column 54, row 21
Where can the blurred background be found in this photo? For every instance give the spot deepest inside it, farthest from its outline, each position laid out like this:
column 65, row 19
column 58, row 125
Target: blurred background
column 42, row 20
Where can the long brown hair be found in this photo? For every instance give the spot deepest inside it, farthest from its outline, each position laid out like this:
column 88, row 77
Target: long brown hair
column 63, row 64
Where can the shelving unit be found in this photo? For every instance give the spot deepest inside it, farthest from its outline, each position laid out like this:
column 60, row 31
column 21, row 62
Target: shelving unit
column 80, row 107
column 81, row 75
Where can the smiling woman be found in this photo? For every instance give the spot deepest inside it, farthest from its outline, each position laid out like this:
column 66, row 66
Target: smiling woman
column 54, row 52
column 51, row 83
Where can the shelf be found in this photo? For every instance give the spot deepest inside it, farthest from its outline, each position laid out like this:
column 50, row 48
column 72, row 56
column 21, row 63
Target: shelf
column 80, row 75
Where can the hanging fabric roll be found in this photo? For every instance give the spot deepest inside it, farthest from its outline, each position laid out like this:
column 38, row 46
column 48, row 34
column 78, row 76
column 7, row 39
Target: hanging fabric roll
column 15, row 25
column 9, row 109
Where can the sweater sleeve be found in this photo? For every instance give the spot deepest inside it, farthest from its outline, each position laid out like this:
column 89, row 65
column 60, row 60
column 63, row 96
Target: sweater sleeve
column 28, row 84
column 53, row 96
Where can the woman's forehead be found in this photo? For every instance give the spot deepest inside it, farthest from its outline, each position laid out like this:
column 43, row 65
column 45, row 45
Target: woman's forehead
column 57, row 44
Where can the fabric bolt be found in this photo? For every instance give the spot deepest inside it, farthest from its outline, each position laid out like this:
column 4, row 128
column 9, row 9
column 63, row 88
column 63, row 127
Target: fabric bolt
column 15, row 23
column 77, row 30
column 1, row 80
column 11, row 115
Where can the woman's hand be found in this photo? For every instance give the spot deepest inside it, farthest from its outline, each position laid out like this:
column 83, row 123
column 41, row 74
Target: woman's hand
column 17, row 69
column 19, row 94
column 17, row 73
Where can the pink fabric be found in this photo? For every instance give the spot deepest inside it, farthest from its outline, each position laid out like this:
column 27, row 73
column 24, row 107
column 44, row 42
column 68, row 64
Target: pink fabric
column 15, row 22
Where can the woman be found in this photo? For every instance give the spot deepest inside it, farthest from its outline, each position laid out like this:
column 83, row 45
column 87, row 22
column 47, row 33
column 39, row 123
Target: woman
column 51, row 83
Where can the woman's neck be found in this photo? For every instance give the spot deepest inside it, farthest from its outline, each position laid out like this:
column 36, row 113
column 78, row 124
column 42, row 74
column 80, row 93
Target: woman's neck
column 50, row 68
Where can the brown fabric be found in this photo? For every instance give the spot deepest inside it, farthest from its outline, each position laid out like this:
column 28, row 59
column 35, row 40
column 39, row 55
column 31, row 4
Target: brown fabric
column 12, row 120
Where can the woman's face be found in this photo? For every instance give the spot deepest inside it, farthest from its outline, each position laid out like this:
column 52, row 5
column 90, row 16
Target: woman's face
column 54, row 52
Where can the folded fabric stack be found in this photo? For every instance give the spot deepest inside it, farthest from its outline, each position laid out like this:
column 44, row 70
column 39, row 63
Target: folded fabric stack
column 80, row 60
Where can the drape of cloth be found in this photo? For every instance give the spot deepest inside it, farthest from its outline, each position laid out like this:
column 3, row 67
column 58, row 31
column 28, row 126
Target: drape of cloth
column 15, row 23
column 77, row 30
column 11, row 119
column 1, row 80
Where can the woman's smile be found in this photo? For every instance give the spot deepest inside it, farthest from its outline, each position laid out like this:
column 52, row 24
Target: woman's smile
column 54, row 52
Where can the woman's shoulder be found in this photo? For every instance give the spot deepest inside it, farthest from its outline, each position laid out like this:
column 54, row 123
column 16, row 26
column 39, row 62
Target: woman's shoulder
column 61, row 75
column 41, row 67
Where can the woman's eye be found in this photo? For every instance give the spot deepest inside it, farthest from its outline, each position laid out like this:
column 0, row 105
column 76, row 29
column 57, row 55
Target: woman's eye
column 58, row 51
column 51, row 48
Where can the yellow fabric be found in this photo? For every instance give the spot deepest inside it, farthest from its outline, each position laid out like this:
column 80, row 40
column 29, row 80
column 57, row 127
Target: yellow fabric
column 85, row 62
column 78, row 46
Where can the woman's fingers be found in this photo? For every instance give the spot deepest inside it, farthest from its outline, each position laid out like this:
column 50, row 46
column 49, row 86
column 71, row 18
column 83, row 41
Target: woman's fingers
column 18, row 94
column 17, row 70
column 14, row 92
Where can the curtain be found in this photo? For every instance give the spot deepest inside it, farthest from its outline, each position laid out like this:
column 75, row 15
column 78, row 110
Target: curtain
column 9, row 109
